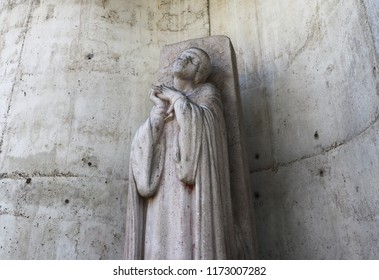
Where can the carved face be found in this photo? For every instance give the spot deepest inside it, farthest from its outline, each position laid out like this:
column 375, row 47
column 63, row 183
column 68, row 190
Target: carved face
column 186, row 65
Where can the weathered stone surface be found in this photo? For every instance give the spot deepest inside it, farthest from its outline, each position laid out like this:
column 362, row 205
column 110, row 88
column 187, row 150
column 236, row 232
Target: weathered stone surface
column 189, row 175
column 224, row 77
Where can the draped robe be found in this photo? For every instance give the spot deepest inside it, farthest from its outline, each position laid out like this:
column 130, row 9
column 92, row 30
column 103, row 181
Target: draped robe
column 178, row 203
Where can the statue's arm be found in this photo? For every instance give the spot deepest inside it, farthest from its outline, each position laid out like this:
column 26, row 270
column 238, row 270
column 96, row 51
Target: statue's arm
column 191, row 115
column 147, row 154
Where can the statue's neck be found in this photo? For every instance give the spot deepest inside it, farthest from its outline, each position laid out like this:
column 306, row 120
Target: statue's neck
column 184, row 85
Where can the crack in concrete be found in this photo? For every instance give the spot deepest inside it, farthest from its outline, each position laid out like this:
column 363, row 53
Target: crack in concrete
column 276, row 165
column 24, row 32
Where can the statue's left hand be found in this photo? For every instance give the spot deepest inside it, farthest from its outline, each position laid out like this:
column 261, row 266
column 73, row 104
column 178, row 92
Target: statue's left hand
column 169, row 94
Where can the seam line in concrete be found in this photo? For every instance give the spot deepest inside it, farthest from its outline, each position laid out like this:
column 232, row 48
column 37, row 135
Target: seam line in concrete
column 23, row 175
column 276, row 165
column 16, row 175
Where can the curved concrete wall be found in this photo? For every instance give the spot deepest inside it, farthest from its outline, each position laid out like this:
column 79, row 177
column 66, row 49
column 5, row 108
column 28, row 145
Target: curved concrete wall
column 309, row 83
column 74, row 78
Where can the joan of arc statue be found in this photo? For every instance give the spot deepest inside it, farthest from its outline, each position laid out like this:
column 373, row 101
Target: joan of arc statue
column 179, row 197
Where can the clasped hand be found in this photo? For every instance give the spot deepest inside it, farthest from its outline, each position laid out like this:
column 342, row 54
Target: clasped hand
column 164, row 98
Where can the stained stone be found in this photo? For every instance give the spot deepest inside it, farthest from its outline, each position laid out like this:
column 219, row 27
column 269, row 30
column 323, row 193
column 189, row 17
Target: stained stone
column 188, row 196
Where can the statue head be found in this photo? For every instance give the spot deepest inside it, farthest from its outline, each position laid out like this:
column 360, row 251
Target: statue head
column 194, row 64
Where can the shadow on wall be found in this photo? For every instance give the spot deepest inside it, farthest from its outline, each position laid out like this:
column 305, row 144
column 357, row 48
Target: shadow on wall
column 311, row 125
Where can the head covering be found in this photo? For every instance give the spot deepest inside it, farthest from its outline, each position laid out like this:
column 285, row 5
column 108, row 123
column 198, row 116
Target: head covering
column 205, row 65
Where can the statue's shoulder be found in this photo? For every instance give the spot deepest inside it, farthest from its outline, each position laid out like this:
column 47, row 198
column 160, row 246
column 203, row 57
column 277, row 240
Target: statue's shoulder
column 209, row 89
column 207, row 94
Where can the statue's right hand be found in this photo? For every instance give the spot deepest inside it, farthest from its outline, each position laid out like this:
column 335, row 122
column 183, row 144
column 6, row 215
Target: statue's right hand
column 154, row 92
column 160, row 106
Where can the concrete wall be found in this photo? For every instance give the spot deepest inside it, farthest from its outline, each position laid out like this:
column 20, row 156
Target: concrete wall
column 308, row 74
column 74, row 78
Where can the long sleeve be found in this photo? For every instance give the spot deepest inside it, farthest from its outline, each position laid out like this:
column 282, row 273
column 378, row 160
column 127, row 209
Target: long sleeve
column 147, row 156
column 190, row 112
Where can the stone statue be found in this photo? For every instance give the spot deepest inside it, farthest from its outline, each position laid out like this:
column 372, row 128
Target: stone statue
column 179, row 202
